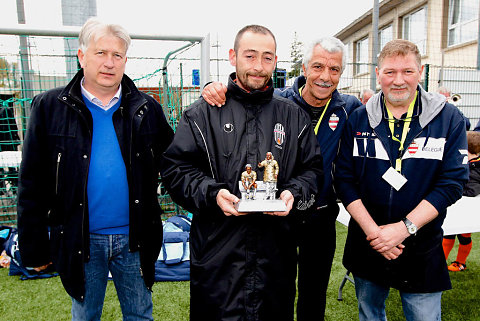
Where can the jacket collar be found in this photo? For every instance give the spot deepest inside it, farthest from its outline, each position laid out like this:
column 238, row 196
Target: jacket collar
column 432, row 105
column 129, row 91
column 255, row 97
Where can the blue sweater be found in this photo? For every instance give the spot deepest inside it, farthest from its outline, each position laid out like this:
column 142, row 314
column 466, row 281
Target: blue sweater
column 107, row 187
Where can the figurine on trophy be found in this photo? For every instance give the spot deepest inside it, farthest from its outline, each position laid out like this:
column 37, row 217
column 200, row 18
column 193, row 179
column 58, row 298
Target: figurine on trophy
column 270, row 175
column 248, row 179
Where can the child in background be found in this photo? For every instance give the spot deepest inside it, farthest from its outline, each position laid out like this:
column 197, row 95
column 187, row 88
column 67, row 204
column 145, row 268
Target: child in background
column 471, row 189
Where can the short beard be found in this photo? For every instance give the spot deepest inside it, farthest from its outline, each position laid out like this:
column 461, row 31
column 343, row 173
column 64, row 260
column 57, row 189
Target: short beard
column 396, row 99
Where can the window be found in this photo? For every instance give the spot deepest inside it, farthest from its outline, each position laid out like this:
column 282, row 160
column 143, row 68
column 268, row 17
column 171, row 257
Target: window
column 347, row 75
column 362, row 56
column 415, row 29
column 385, row 35
column 462, row 21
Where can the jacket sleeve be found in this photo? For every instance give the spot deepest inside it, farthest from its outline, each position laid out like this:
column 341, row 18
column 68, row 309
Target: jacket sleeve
column 307, row 177
column 472, row 188
column 344, row 176
column 453, row 173
column 186, row 169
column 32, row 192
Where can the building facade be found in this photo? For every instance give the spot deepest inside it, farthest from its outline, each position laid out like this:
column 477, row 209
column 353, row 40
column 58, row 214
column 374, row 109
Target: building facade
column 446, row 33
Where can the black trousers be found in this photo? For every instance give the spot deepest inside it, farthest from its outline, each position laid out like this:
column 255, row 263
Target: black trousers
column 316, row 238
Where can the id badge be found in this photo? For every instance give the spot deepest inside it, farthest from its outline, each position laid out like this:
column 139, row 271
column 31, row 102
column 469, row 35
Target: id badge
column 394, row 178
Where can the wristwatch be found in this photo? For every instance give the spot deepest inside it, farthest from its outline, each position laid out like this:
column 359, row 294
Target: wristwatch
column 411, row 228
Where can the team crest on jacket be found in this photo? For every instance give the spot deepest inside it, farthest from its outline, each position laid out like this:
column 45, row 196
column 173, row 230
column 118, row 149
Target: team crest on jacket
column 279, row 133
column 412, row 149
column 333, row 122
column 228, row 128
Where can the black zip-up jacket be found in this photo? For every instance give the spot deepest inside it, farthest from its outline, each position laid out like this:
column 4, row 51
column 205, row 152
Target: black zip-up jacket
column 52, row 193
column 242, row 267
column 472, row 188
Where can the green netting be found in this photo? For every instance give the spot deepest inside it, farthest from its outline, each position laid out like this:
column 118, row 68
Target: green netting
column 30, row 72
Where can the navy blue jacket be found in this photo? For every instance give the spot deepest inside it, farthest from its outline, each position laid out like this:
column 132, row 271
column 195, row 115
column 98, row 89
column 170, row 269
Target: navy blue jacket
column 434, row 162
column 328, row 135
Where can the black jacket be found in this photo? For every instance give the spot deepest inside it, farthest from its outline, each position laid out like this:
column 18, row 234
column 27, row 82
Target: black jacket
column 52, row 194
column 242, row 267
column 472, row 188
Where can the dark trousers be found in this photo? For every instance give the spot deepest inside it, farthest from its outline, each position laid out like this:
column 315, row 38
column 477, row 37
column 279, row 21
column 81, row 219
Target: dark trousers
column 316, row 238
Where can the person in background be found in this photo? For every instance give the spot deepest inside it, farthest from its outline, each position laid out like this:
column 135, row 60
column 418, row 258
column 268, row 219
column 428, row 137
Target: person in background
column 87, row 196
column 365, row 95
column 472, row 189
column 402, row 162
column 448, row 94
column 315, row 92
column 243, row 265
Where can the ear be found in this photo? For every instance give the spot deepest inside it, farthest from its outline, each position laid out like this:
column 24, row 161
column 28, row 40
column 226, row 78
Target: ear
column 421, row 72
column 232, row 56
column 80, row 56
column 304, row 69
column 377, row 73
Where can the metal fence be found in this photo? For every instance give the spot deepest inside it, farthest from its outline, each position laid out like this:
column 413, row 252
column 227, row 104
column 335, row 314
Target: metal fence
column 50, row 62
column 164, row 71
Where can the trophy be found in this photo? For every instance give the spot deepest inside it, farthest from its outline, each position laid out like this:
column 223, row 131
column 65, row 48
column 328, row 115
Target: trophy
column 260, row 196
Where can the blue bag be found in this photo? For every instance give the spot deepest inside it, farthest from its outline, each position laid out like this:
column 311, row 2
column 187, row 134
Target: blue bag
column 16, row 266
column 173, row 263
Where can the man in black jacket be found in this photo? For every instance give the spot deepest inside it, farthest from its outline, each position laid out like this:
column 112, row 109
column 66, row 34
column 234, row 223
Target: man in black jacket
column 243, row 266
column 316, row 93
column 88, row 179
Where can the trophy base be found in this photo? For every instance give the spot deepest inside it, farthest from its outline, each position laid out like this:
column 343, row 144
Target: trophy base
column 261, row 206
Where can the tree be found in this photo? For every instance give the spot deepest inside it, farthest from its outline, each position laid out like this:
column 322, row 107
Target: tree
column 4, row 66
column 7, row 71
column 296, row 53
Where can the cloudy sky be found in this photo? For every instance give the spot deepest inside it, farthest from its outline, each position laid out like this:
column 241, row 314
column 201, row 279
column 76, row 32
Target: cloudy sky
column 221, row 19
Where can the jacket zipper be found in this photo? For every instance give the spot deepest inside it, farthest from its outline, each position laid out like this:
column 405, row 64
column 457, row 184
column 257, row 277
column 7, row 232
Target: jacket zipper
column 57, row 172
column 84, row 186
column 391, row 188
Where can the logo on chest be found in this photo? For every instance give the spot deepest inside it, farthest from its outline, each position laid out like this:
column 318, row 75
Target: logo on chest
column 333, row 122
column 279, row 134
column 413, row 148
column 228, row 128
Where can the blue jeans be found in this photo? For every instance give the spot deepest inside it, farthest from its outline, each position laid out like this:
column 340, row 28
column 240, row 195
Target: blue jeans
column 416, row 306
column 111, row 253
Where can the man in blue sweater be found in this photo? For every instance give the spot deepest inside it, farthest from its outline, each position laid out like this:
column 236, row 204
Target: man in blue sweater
column 88, row 180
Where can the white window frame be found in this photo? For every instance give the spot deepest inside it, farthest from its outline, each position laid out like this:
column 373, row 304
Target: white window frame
column 421, row 42
column 460, row 27
column 383, row 37
column 346, row 80
column 361, row 63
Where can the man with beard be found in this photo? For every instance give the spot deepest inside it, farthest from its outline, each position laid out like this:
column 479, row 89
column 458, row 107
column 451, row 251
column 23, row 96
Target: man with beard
column 402, row 162
column 243, row 266
column 316, row 93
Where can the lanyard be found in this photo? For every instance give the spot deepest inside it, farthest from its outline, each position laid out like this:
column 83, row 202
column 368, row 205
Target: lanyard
column 321, row 117
column 406, row 126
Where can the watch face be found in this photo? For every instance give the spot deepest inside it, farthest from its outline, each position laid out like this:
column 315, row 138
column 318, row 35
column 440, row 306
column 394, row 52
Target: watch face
column 412, row 229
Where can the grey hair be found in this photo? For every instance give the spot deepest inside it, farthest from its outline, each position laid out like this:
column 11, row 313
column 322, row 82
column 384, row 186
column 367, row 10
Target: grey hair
column 366, row 90
column 444, row 90
column 330, row 44
column 94, row 29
